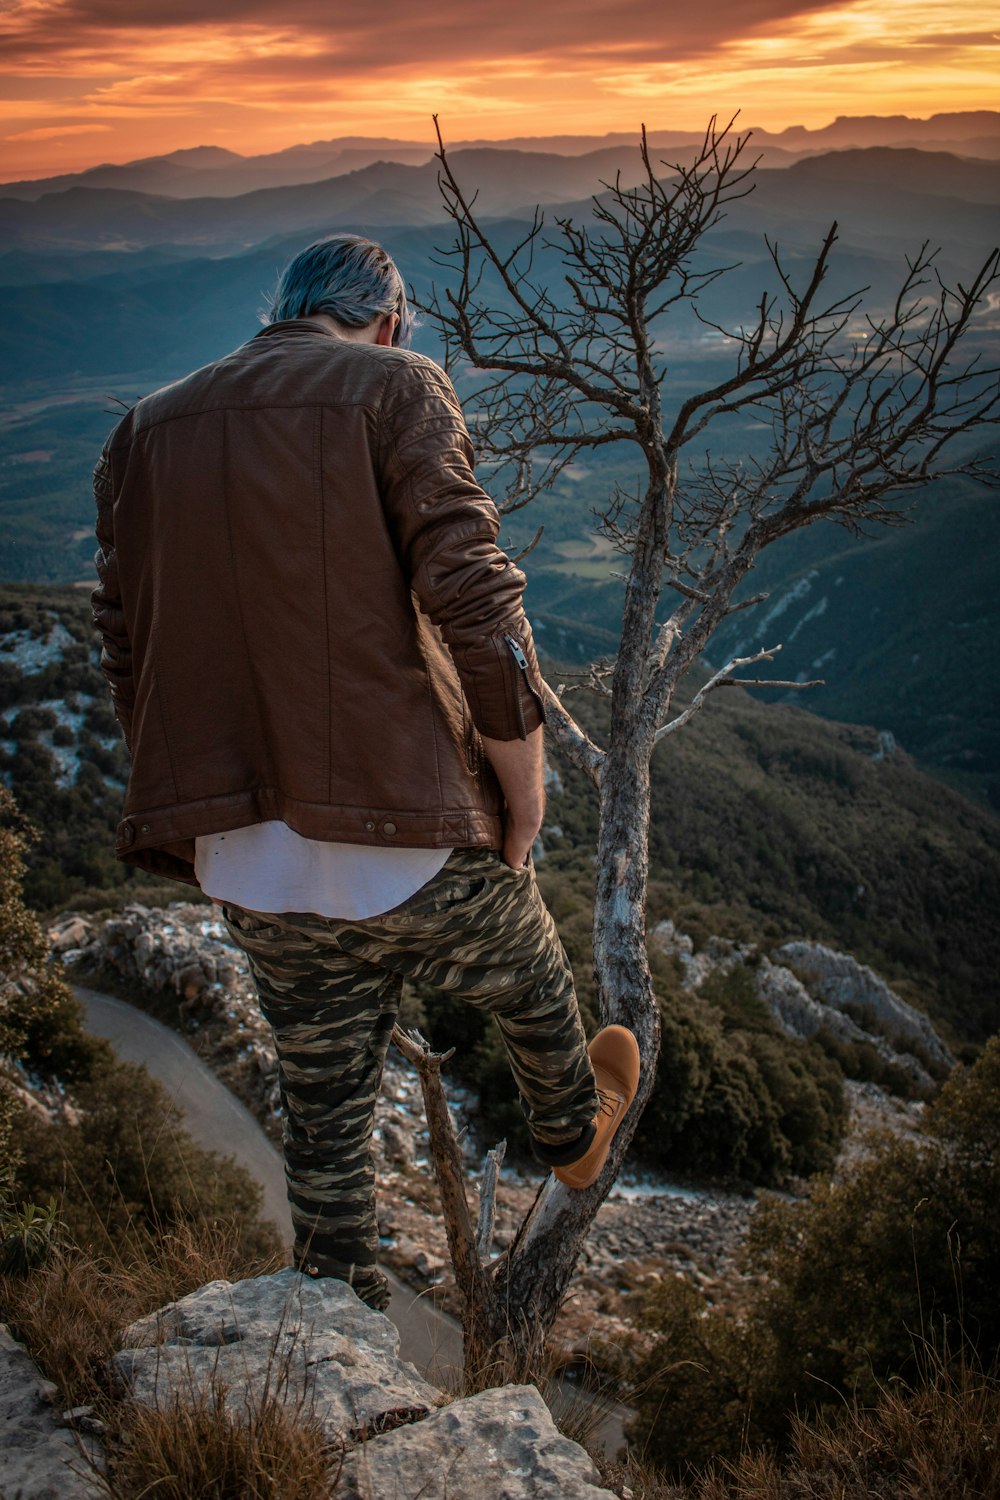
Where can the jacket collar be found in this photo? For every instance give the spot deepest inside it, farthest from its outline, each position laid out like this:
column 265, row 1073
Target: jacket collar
column 297, row 327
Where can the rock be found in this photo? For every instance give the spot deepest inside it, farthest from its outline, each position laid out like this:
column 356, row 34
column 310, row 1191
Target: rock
column 39, row 1458
column 838, row 980
column 343, row 1367
column 502, row 1443
column 396, row 1143
column 719, row 953
column 553, row 781
column 70, row 931
column 429, row 1267
column 341, row 1357
column 818, row 988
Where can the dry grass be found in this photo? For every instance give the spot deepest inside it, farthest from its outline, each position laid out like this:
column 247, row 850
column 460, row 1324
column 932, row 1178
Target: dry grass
column 199, row 1446
column 70, row 1312
column 936, row 1440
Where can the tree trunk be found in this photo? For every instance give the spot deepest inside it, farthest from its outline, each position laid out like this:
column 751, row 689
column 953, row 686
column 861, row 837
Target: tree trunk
column 531, row 1279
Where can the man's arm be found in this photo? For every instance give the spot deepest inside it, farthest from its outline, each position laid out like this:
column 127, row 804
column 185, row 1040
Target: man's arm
column 446, row 526
column 520, row 769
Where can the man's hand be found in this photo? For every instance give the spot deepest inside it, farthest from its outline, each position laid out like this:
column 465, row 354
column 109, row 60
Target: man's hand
column 520, row 769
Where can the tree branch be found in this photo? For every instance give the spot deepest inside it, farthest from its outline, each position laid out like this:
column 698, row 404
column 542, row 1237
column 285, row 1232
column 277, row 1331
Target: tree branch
column 723, row 678
column 448, row 1169
column 573, row 741
column 487, row 1201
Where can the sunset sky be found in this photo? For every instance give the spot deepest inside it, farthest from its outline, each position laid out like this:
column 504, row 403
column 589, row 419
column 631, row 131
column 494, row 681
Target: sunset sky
column 86, row 81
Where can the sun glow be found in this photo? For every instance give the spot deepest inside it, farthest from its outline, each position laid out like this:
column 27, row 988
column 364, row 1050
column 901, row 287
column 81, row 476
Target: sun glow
column 235, row 76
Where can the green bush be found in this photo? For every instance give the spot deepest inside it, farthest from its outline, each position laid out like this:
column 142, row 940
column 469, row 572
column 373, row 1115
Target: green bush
column 120, row 1161
column 847, row 1290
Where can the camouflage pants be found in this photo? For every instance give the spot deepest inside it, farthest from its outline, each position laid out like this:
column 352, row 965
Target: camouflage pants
column 330, row 990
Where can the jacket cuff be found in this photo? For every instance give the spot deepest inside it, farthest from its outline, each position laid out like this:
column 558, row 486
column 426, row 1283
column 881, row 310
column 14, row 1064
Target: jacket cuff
column 504, row 685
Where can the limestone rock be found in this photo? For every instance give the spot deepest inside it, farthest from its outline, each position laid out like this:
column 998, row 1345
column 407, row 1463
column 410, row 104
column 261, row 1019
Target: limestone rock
column 718, row 953
column 799, row 1013
column 502, row 1444
column 790, row 1002
column 39, row 1458
column 840, row 981
column 70, row 931
column 341, row 1357
column 816, row 988
column 343, row 1366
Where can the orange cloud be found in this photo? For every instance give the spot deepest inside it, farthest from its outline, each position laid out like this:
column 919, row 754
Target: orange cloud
column 51, row 132
column 248, row 74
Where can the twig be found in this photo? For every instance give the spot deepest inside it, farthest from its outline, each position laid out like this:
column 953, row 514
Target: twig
column 723, row 678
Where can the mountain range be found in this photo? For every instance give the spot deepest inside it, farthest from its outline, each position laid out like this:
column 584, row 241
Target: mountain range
column 214, row 171
column 875, row 186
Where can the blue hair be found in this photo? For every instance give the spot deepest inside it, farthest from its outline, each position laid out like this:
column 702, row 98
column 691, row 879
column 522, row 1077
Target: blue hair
column 346, row 276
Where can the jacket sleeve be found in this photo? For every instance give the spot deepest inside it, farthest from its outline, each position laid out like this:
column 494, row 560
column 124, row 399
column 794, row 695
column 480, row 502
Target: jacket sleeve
column 106, row 602
column 446, row 526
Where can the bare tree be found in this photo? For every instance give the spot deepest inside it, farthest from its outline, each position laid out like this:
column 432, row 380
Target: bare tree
column 860, row 409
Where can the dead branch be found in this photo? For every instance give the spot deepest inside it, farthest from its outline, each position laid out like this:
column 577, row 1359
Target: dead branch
column 574, row 742
column 723, row 678
column 448, row 1167
column 488, row 1201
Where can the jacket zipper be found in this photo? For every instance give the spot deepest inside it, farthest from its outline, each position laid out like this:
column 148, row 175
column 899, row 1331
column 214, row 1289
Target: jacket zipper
column 522, row 662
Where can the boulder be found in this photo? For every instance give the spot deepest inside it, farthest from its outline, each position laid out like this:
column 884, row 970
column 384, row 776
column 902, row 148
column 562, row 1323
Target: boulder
column 40, row 1459
column 339, row 1356
column 502, row 1443
column 328, row 1354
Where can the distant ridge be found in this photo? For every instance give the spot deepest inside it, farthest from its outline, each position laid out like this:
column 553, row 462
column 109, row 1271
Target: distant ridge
column 863, row 182
column 214, row 171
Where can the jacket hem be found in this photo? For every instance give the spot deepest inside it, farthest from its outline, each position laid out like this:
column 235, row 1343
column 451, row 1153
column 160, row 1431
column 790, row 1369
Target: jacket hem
column 150, row 839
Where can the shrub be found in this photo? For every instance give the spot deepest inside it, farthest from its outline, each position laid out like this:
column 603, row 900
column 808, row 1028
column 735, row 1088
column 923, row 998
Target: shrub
column 847, row 1290
column 120, row 1162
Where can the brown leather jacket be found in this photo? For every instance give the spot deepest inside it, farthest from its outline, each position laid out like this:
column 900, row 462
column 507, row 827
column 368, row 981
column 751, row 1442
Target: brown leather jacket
column 304, row 610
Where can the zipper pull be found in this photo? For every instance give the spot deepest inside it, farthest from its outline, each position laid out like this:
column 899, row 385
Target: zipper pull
column 516, row 652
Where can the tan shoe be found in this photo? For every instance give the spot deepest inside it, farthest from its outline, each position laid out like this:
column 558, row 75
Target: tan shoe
column 614, row 1056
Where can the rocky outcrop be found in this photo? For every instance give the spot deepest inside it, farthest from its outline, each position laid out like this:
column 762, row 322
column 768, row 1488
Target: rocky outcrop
column 718, row 955
column 328, row 1354
column 40, row 1455
column 801, row 1014
column 184, row 950
column 816, row 988
column 839, row 982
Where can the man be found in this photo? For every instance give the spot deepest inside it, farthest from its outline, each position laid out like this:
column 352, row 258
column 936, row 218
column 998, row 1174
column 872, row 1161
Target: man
column 319, row 658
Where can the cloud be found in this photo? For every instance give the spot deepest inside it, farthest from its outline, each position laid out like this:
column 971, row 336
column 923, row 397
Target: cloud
column 397, row 33
column 182, row 72
column 52, row 132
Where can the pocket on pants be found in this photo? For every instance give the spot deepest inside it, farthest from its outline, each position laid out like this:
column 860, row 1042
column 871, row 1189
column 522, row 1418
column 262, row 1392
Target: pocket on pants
column 248, row 928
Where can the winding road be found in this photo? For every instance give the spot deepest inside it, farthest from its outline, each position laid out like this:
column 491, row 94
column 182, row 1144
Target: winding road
column 216, row 1119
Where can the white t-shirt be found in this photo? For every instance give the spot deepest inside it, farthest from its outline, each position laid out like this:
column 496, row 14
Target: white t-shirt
column 268, row 867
